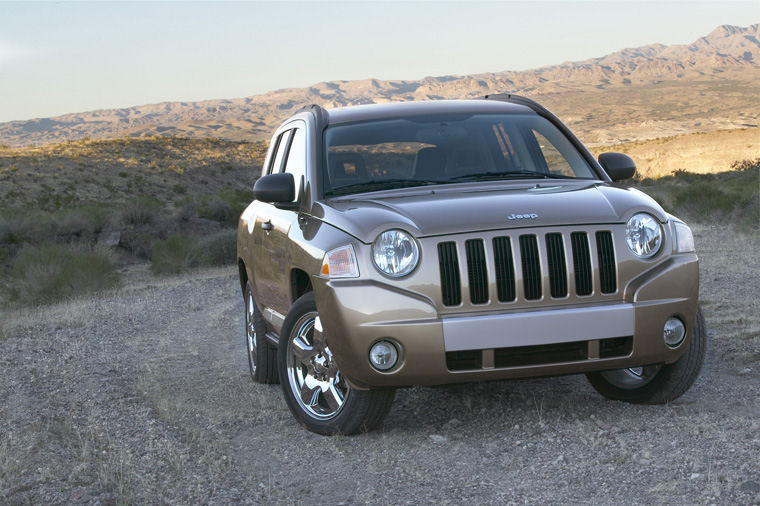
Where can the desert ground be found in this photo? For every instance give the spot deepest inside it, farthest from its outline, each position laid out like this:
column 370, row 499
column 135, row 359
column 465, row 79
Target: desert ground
column 143, row 395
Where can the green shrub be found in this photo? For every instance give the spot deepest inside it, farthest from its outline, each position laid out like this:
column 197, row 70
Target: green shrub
column 140, row 210
column 732, row 196
column 217, row 249
column 21, row 226
column 173, row 255
column 51, row 273
column 224, row 206
column 178, row 253
column 84, row 222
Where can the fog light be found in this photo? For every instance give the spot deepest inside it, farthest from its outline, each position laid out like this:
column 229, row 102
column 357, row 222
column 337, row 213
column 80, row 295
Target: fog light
column 383, row 355
column 674, row 332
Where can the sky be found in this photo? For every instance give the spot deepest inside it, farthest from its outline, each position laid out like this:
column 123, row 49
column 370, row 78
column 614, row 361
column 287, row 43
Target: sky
column 65, row 57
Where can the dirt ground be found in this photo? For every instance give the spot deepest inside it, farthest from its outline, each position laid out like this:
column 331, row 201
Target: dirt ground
column 143, row 395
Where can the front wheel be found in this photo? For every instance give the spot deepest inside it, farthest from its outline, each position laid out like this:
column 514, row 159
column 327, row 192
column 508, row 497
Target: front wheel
column 316, row 392
column 656, row 384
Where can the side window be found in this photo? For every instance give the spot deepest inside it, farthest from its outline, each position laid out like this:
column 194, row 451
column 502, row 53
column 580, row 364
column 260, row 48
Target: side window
column 296, row 160
column 282, row 146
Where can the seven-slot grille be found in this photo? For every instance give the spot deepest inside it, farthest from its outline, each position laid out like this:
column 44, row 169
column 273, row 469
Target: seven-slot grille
column 529, row 249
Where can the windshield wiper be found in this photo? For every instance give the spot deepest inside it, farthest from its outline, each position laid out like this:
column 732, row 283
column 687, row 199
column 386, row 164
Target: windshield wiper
column 377, row 185
column 518, row 174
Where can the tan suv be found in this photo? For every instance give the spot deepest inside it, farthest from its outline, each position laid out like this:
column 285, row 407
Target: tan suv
column 427, row 243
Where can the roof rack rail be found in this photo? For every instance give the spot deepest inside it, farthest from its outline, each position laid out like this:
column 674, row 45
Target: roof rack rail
column 319, row 112
column 516, row 99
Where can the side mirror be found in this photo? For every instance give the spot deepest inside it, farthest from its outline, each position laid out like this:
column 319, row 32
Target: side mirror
column 617, row 165
column 275, row 188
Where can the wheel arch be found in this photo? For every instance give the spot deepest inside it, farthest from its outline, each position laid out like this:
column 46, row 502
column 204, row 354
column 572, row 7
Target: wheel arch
column 243, row 275
column 300, row 283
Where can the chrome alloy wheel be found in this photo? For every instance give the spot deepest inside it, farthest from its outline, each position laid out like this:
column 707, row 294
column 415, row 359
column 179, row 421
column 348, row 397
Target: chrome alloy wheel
column 250, row 330
column 633, row 377
column 315, row 380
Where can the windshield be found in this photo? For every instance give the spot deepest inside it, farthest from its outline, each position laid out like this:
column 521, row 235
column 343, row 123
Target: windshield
column 399, row 153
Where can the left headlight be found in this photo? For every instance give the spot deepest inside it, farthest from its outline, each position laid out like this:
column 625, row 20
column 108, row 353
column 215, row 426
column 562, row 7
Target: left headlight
column 643, row 234
column 395, row 253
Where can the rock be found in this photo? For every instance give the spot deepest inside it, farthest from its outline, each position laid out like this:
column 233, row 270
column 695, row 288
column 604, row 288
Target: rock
column 601, row 424
column 695, row 476
column 745, row 371
column 111, row 239
column 438, row 438
column 750, row 487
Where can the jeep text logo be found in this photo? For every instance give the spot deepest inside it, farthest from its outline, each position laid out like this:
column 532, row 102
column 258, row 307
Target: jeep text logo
column 531, row 216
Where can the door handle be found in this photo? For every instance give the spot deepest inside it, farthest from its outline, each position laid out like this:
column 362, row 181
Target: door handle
column 267, row 226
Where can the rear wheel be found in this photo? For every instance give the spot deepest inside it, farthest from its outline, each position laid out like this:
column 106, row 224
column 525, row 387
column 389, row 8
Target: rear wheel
column 316, row 392
column 656, row 384
column 262, row 356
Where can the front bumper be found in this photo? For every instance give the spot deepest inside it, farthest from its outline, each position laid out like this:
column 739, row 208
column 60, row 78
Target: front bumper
column 509, row 344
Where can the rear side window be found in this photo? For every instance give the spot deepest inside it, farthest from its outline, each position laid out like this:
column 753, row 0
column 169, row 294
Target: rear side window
column 296, row 161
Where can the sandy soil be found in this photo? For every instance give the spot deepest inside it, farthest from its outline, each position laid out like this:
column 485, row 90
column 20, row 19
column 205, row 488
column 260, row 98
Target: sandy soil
column 143, row 395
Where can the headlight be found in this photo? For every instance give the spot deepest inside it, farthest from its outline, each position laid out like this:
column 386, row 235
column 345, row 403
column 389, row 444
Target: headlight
column 340, row 263
column 684, row 238
column 395, row 253
column 643, row 235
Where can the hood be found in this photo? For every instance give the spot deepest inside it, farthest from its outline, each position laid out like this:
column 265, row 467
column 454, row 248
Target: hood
column 453, row 209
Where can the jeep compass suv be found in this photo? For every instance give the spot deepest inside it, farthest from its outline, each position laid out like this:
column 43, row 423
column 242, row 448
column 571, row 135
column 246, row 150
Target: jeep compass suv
column 427, row 243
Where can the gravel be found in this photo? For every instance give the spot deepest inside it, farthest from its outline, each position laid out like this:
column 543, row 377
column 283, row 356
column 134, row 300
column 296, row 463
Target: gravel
column 143, row 395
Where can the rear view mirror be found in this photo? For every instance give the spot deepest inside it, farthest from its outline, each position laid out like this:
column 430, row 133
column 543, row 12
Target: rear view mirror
column 617, row 165
column 275, row 188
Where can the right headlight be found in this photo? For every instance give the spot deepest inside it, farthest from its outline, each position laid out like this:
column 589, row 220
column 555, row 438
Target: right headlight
column 684, row 238
column 643, row 234
column 395, row 253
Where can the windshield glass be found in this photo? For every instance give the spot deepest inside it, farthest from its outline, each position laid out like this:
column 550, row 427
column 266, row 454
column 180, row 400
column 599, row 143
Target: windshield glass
column 399, row 153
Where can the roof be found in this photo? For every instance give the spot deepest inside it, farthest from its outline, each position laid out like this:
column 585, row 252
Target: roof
column 393, row 110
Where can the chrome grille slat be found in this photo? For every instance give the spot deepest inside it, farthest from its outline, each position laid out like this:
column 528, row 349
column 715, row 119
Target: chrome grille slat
column 505, row 269
column 477, row 272
column 451, row 288
column 555, row 252
column 531, row 267
column 581, row 263
column 607, row 265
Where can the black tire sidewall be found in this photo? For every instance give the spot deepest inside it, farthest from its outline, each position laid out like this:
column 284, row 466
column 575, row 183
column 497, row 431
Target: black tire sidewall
column 671, row 381
column 266, row 368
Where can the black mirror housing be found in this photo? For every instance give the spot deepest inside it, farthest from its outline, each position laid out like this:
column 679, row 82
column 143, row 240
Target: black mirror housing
column 275, row 188
column 617, row 165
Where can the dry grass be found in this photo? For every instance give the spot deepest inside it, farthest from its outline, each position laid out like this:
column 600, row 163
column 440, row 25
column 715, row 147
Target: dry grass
column 703, row 152
column 59, row 175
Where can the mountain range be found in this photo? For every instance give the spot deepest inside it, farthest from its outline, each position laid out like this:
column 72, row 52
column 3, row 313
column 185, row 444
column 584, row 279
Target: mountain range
column 644, row 92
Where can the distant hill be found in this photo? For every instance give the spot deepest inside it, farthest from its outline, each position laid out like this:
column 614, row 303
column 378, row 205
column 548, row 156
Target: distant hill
column 645, row 92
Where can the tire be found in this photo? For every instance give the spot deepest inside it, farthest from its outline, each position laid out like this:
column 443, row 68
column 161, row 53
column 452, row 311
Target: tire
column 262, row 356
column 320, row 399
column 657, row 384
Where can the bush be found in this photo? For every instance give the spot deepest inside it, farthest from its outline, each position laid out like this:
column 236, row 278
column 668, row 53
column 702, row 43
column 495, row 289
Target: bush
column 19, row 227
column 731, row 196
column 224, row 206
column 217, row 249
column 173, row 255
column 178, row 253
column 55, row 272
column 140, row 210
column 84, row 222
